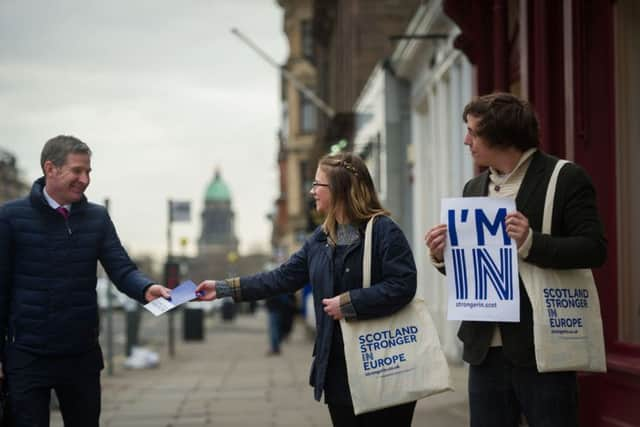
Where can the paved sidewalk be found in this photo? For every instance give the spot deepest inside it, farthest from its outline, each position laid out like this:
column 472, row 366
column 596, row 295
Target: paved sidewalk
column 228, row 381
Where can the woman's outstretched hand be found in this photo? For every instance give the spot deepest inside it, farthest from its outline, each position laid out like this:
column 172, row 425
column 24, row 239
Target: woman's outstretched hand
column 206, row 290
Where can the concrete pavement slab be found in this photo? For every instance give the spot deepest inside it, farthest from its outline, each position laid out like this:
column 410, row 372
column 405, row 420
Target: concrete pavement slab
column 226, row 380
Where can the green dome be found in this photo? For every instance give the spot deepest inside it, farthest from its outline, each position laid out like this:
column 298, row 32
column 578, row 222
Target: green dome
column 218, row 190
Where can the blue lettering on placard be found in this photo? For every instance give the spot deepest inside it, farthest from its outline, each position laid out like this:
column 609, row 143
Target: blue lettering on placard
column 460, row 274
column 451, row 226
column 498, row 224
column 501, row 278
column 498, row 272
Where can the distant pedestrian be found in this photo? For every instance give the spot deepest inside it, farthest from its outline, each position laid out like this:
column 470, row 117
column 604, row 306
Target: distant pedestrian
column 50, row 243
column 289, row 310
column 280, row 318
column 502, row 135
column 331, row 259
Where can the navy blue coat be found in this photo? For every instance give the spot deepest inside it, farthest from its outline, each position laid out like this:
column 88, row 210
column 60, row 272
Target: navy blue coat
column 393, row 283
column 48, row 303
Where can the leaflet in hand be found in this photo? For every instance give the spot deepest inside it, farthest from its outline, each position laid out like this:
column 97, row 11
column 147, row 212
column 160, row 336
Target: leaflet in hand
column 183, row 293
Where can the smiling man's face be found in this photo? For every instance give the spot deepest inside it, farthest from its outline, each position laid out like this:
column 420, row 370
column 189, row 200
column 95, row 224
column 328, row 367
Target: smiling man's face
column 66, row 184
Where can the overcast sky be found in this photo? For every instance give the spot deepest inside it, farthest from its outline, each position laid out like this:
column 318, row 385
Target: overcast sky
column 161, row 91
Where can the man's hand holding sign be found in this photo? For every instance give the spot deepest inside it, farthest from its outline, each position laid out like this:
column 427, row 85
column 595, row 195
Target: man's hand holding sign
column 517, row 227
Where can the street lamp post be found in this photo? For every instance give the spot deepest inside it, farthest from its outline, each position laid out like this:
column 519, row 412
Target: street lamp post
column 179, row 211
column 171, row 331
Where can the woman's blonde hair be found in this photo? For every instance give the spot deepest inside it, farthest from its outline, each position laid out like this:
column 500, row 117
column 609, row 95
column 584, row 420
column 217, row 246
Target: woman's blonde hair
column 352, row 190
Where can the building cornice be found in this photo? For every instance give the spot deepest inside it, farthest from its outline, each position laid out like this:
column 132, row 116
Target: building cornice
column 409, row 53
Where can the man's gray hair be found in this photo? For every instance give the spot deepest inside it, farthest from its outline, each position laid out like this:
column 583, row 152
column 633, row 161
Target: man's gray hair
column 56, row 149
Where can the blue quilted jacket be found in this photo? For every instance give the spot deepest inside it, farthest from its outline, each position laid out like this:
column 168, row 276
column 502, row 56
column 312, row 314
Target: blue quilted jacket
column 48, row 303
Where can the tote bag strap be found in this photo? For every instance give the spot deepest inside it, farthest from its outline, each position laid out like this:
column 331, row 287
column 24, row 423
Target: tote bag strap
column 551, row 193
column 366, row 256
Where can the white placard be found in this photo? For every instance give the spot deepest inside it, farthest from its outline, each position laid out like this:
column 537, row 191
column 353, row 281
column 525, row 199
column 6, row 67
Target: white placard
column 481, row 260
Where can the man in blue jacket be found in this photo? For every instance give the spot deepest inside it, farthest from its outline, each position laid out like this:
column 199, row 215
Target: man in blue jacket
column 50, row 242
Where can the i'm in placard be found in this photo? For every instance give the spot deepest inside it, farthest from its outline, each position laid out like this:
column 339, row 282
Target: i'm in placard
column 481, row 260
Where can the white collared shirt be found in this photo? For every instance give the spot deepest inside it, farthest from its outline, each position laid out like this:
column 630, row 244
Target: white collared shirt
column 54, row 205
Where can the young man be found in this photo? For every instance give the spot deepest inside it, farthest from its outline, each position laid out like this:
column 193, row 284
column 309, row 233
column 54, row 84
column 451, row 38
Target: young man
column 50, row 243
column 502, row 135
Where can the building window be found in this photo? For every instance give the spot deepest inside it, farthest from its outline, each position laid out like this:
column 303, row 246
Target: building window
column 305, row 179
column 379, row 159
column 307, row 40
column 307, row 115
column 627, row 35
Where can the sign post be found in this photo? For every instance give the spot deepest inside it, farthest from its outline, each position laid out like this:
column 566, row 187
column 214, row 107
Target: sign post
column 178, row 211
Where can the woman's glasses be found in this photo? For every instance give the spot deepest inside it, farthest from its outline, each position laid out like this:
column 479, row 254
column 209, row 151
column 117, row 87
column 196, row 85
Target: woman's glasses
column 315, row 184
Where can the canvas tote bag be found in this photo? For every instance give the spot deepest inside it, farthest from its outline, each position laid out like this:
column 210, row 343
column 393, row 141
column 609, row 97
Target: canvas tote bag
column 567, row 326
column 394, row 359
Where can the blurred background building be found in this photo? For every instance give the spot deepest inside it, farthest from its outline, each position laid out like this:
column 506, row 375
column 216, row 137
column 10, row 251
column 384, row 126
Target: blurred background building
column 218, row 235
column 297, row 132
column 12, row 185
column 218, row 255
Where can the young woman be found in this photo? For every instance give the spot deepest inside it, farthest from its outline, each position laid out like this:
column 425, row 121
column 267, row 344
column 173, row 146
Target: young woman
column 331, row 260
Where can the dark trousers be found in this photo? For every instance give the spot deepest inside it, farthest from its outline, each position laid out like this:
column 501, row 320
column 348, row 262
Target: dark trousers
column 75, row 379
column 78, row 395
column 396, row 416
column 499, row 392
